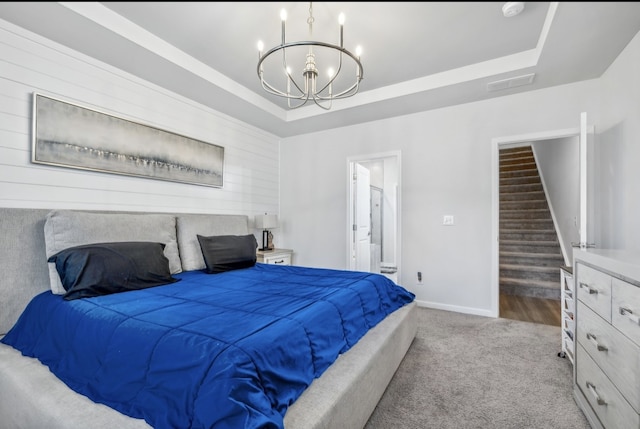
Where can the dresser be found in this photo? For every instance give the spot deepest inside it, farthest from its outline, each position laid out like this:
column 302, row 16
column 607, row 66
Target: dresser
column 607, row 337
column 275, row 256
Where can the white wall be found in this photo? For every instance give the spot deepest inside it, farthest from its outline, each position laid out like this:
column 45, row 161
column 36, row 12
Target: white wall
column 617, row 153
column 30, row 63
column 447, row 166
column 446, row 169
column 559, row 164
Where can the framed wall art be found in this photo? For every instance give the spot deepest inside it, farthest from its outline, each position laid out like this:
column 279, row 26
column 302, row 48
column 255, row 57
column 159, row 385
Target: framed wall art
column 68, row 135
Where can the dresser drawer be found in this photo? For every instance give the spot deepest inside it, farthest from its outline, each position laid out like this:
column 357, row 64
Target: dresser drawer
column 594, row 289
column 615, row 354
column 605, row 400
column 625, row 308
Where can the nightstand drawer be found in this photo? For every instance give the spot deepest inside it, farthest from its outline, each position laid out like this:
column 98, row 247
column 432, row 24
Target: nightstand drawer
column 594, row 289
column 278, row 259
column 275, row 256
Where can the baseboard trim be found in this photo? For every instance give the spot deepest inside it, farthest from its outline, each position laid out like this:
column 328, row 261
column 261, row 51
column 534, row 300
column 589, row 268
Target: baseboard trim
column 456, row 308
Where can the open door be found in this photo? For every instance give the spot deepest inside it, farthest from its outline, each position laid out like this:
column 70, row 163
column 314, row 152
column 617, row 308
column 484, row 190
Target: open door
column 362, row 210
column 584, row 243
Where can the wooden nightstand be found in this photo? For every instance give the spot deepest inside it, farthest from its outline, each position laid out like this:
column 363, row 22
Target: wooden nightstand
column 275, row 256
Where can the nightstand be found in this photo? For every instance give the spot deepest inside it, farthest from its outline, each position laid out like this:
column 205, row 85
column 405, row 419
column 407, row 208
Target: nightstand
column 275, row 256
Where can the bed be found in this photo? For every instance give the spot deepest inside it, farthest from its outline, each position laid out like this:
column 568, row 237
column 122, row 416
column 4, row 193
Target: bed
column 338, row 389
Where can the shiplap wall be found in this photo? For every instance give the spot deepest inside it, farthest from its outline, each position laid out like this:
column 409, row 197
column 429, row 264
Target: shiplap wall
column 30, row 63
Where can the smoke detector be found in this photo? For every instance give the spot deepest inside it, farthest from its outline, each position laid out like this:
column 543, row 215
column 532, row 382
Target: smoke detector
column 512, row 8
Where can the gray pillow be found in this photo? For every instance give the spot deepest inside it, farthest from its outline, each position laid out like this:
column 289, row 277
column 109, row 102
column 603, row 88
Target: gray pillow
column 189, row 226
column 68, row 228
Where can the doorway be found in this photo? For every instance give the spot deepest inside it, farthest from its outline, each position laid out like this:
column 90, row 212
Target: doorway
column 585, row 136
column 373, row 233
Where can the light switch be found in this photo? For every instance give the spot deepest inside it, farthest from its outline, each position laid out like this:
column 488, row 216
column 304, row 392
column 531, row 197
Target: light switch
column 447, row 220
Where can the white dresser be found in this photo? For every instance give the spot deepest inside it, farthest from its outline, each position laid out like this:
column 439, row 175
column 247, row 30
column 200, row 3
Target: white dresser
column 607, row 346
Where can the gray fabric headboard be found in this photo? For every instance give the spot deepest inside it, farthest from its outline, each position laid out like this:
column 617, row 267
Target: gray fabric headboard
column 23, row 261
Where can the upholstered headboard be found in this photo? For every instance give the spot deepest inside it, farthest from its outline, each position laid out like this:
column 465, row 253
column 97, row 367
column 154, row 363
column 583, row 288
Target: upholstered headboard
column 24, row 271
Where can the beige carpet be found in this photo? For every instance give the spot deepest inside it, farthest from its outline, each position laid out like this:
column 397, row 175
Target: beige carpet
column 464, row 371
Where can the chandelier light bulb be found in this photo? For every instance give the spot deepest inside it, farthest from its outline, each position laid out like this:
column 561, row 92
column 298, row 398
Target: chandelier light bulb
column 330, row 72
column 260, row 45
column 358, row 51
column 283, row 14
column 341, row 19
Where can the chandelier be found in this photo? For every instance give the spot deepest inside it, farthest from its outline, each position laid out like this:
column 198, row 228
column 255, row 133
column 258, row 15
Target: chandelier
column 310, row 85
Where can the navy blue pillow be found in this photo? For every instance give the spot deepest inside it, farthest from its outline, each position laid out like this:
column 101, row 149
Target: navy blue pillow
column 105, row 268
column 228, row 252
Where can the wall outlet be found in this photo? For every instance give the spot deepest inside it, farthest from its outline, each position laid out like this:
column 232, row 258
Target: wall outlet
column 447, row 220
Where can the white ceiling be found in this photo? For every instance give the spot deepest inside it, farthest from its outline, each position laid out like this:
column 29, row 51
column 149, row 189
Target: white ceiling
column 416, row 55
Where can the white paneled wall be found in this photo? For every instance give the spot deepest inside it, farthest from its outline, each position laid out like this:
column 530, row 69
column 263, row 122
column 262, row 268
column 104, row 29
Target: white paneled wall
column 30, row 63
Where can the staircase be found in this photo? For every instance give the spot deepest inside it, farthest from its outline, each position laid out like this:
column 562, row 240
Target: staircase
column 530, row 254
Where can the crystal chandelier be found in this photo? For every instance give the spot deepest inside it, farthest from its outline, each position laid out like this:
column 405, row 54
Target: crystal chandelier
column 310, row 86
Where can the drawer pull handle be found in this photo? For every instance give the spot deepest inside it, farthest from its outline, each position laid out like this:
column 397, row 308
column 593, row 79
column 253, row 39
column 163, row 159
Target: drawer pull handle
column 592, row 338
column 630, row 315
column 592, row 389
column 590, row 289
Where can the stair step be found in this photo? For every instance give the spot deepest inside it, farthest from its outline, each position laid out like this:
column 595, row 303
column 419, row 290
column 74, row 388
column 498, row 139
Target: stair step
column 524, row 205
column 522, row 180
column 526, row 224
column 539, row 259
column 515, row 151
column 519, row 173
column 515, row 158
column 521, row 195
column 530, row 272
column 520, row 188
column 525, row 214
column 530, row 247
column 517, row 166
column 528, row 235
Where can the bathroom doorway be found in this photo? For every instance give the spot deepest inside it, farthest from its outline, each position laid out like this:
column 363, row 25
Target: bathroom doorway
column 373, row 235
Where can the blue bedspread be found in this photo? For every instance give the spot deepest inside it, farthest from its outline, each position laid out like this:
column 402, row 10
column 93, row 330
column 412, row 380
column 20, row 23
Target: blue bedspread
column 230, row 350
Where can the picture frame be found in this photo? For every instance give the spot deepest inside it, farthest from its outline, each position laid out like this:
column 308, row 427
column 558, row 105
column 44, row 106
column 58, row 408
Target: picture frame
column 69, row 135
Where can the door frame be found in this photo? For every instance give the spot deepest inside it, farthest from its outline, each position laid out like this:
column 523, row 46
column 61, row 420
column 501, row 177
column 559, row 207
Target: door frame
column 496, row 144
column 398, row 229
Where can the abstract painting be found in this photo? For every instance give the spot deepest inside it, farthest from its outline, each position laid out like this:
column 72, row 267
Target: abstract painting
column 66, row 134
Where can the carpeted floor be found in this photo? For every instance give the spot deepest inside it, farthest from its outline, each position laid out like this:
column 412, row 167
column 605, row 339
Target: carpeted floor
column 464, row 371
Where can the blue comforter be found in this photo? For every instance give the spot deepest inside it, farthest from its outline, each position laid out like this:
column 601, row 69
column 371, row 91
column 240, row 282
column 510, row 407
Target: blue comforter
column 230, row 350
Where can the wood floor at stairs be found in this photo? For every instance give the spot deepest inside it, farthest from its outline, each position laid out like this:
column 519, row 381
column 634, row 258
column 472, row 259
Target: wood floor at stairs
column 530, row 254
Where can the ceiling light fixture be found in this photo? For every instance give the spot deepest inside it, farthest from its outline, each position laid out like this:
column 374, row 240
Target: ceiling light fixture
column 311, row 87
